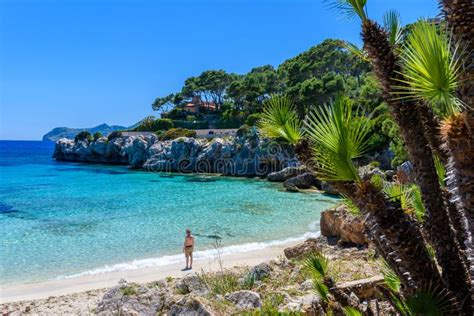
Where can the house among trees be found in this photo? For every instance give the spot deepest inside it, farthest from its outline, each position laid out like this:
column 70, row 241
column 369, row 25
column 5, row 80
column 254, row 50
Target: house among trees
column 197, row 105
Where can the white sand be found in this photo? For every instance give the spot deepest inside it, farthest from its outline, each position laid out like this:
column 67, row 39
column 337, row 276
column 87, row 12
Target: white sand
column 41, row 290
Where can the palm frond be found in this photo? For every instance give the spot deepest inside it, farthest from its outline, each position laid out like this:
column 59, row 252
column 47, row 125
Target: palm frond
column 431, row 64
column 430, row 301
column 409, row 196
column 351, row 311
column 350, row 205
column 440, row 171
column 356, row 51
column 317, row 265
column 279, row 119
column 339, row 138
column 322, row 290
column 390, row 277
column 392, row 24
column 351, row 8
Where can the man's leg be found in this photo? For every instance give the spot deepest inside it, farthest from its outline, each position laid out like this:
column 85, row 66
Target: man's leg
column 191, row 261
column 187, row 260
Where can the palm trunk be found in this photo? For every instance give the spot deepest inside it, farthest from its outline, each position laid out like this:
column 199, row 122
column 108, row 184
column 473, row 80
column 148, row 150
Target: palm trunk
column 459, row 15
column 431, row 125
column 459, row 140
column 396, row 237
column 458, row 132
column 384, row 62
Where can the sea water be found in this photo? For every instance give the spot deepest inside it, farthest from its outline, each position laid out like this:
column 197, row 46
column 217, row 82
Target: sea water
column 60, row 219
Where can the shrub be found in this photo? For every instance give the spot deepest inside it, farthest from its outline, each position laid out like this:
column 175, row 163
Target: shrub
column 191, row 125
column 374, row 164
column 129, row 290
column 84, row 135
column 190, row 118
column 114, row 134
column 243, row 130
column 150, row 124
column 163, row 124
column 97, row 135
column 174, row 133
column 252, row 119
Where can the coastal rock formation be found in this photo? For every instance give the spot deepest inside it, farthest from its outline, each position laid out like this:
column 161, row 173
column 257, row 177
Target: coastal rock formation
column 300, row 250
column 247, row 155
column 302, row 181
column 344, row 226
column 285, row 174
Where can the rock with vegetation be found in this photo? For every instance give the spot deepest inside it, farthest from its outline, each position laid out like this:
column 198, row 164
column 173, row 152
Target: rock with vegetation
column 245, row 299
column 298, row 251
column 340, row 223
column 285, row 174
column 303, row 181
column 248, row 155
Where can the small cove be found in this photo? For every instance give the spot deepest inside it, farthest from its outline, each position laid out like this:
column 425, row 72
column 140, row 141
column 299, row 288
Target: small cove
column 63, row 219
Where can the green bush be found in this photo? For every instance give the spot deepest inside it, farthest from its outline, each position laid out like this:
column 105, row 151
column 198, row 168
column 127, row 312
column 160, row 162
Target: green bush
column 114, row 134
column 128, row 291
column 190, row 118
column 84, row 135
column 97, row 135
column 252, row 119
column 150, row 124
column 174, row 133
column 191, row 125
column 243, row 130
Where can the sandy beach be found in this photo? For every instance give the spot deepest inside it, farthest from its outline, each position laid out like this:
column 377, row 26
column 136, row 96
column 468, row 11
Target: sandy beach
column 61, row 287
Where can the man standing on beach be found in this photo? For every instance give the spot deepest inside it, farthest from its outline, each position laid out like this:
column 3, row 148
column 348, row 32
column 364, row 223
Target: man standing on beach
column 188, row 249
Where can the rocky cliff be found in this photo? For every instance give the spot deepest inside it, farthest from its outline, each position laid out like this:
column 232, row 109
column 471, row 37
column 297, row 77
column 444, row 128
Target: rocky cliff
column 247, row 155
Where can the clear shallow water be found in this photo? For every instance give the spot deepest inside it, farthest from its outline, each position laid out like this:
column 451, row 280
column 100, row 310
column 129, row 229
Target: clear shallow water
column 64, row 219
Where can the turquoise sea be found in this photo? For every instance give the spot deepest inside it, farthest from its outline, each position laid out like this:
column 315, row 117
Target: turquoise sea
column 62, row 219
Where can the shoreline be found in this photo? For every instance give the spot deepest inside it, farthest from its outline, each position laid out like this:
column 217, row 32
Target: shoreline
column 87, row 282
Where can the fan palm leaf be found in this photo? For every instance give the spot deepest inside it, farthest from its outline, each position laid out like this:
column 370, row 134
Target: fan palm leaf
column 356, row 51
column 392, row 24
column 317, row 265
column 279, row 120
column 431, row 67
column 339, row 138
column 351, row 8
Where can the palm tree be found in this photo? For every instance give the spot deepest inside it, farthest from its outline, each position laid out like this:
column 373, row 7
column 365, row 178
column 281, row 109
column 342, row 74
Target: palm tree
column 433, row 63
column 339, row 138
column 386, row 66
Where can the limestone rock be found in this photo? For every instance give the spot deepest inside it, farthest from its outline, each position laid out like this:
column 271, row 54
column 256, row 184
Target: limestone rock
column 340, row 223
column 300, row 250
column 192, row 284
column 364, row 289
column 261, row 271
column 131, row 299
column 286, row 173
column 245, row 299
column 239, row 156
column 191, row 306
column 307, row 285
column 302, row 181
column 306, row 304
column 326, row 187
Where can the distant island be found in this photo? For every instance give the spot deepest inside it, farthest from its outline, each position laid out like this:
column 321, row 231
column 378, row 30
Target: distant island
column 66, row 132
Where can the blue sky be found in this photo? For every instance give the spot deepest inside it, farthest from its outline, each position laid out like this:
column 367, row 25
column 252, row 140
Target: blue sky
column 80, row 63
